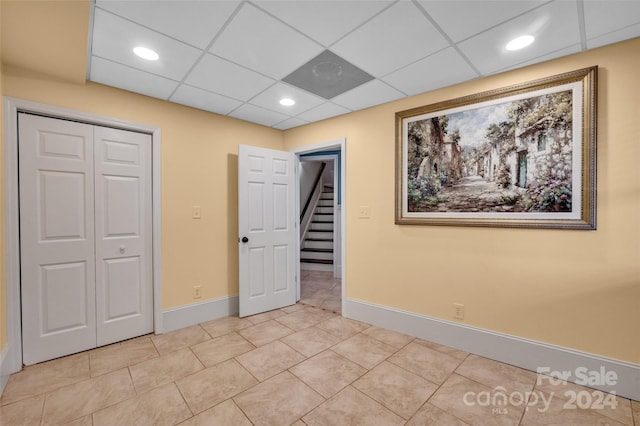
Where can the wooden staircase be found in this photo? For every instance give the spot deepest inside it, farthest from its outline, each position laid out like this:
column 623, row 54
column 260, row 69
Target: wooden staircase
column 317, row 246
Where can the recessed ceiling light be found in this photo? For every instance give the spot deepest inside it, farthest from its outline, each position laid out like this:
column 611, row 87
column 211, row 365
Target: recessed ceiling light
column 287, row 102
column 146, row 53
column 520, row 42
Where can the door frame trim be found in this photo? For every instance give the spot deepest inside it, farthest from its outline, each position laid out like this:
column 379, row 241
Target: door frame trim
column 339, row 144
column 13, row 106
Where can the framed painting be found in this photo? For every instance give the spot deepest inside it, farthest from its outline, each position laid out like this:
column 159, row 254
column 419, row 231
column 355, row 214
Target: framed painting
column 518, row 156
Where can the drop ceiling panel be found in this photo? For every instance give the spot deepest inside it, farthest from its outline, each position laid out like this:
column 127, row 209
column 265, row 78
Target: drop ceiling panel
column 397, row 37
column 601, row 18
column 114, row 39
column 557, row 54
column 369, row 94
column 626, row 33
column 555, row 27
column 259, row 115
column 123, row 77
column 270, row 99
column 290, row 123
column 324, row 111
column 327, row 75
column 217, row 75
column 441, row 69
column 462, row 19
column 207, row 101
column 258, row 41
column 325, row 22
column 194, row 22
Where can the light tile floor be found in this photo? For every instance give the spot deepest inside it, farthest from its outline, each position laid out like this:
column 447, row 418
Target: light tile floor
column 320, row 289
column 298, row 365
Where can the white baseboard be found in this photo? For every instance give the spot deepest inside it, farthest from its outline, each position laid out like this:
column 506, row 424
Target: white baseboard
column 188, row 315
column 4, row 368
column 528, row 354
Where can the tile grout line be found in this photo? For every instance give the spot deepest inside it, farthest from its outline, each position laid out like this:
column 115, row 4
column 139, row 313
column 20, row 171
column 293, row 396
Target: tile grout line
column 249, row 372
column 439, row 386
column 44, row 399
column 407, row 371
column 526, row 407
column 246, row 415
column 175, row 383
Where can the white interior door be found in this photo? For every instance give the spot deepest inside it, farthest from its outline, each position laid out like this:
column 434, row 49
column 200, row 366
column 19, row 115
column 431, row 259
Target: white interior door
column 124, row 299
column 85, row 236
column 267, row 229
column 57, row 237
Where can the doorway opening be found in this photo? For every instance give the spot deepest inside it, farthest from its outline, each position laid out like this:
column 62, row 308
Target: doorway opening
column 321, row 195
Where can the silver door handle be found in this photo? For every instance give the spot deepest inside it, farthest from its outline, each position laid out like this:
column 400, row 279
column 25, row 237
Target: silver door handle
column 122, row 248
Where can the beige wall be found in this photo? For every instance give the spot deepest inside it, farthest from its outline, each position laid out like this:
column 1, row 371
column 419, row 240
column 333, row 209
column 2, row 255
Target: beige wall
column 3, row 315
column 199, row 167
column 578, row 289
column 49, row 36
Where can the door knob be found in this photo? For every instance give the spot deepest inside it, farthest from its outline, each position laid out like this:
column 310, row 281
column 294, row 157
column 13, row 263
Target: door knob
column 122, row 247
column 245, row 240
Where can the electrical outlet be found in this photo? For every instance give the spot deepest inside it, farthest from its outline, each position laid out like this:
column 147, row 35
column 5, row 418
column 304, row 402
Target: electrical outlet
column 365, row 212
column 458, row 311
column 197, row 291
column 196, row 212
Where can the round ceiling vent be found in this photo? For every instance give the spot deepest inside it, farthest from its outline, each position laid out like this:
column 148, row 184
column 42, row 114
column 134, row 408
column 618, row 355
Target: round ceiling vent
column 327, row 71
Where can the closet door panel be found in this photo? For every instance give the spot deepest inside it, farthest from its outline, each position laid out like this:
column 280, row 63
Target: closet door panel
column 57, row 252
column 86, row 236
column 123, row 235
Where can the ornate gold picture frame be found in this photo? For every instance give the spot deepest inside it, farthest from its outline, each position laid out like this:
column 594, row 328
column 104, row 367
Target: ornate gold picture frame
column 518, row 156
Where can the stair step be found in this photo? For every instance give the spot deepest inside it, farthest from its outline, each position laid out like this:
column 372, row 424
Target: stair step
column 321, row 226
column 316, row 254
column 320, row 234
column 313, row 244
column 322, row 261
column 325, row 203
column 319, row 250
column 322, row 219
column 320, row 209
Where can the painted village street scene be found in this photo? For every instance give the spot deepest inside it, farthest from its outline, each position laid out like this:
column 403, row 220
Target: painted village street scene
column 509, row 157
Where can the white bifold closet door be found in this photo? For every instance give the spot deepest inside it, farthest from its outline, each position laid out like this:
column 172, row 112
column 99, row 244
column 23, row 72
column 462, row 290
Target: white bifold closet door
column 85, row 236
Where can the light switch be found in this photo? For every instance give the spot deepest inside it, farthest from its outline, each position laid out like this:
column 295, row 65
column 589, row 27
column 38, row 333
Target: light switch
column 196, row 212
column 365, row 212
